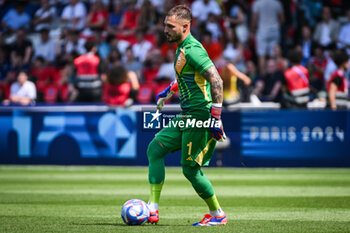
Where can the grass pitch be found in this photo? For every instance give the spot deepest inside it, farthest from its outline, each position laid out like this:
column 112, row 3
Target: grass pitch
column 89, row 199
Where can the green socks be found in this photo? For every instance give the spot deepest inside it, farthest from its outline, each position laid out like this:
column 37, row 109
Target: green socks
column 212, row 203
column 155, row 192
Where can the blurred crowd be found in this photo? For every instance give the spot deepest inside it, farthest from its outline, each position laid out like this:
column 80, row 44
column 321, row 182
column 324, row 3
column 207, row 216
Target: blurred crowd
column 115, row 51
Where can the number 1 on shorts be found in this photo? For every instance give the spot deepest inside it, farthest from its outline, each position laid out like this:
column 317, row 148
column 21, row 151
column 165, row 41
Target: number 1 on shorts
column 189, row 148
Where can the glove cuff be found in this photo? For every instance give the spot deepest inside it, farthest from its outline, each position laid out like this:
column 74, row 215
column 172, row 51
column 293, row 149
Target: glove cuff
column 174, row 87
column 216, row 111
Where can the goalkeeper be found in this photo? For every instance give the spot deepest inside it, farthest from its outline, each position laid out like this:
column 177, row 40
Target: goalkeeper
column 201, row 94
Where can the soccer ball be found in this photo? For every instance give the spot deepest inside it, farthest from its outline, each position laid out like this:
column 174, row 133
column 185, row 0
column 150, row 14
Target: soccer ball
column 135, row 212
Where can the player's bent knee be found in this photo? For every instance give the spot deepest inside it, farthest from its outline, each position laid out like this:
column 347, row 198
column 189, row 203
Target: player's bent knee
column 189, row 172
column 155, row 150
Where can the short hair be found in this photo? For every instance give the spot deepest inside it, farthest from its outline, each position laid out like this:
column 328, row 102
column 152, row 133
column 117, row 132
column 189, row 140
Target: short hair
column 89, row 45
column 181, row 12
column 24, row 71
column 295, row 56
column 340, row 57
column 40, row 59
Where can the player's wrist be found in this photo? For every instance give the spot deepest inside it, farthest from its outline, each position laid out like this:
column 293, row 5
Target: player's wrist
column 216, row 109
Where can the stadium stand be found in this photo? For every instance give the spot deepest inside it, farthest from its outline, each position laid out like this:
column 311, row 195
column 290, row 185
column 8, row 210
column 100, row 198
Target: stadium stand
column 130, row 33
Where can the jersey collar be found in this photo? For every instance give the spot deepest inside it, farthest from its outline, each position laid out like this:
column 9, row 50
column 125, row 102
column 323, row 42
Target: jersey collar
column 185, row 40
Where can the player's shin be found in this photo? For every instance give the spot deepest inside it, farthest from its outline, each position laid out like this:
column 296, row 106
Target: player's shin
column 204, row 188
column 156, row 174
column 199, row 181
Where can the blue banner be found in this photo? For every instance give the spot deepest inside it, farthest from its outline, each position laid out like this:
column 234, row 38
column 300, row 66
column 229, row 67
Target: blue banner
column 119, row 137
column 295, row 138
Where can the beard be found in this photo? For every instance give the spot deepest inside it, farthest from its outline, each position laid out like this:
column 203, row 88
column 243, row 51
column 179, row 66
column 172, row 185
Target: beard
column 174, row 38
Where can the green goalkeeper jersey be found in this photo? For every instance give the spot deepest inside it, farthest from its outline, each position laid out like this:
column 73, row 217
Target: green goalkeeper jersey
column 191, row 61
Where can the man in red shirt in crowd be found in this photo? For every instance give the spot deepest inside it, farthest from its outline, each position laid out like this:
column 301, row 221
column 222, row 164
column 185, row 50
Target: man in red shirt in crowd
column 337, row 85
column 88, row 82
column 296, row 94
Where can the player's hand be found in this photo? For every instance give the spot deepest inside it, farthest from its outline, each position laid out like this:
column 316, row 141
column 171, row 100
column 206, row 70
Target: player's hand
column 217, row 132
column 166, row 94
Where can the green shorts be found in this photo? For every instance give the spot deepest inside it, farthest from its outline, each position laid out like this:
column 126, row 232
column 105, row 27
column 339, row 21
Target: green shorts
column 197, row 144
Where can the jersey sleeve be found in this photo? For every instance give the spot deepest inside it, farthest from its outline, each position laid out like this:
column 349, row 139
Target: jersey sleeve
column 337, row 81
column 197, row 57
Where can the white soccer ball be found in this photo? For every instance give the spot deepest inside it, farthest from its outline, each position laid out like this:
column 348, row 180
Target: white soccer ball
column 135, row 212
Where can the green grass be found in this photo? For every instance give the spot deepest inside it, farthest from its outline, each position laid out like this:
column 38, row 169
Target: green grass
column 89, row 199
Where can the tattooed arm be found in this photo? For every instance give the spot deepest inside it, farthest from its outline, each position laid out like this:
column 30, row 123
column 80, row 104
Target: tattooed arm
column 216, row 89
column 216, row 84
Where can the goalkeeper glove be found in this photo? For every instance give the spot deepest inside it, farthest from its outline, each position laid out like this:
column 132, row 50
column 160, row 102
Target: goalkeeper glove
column 217, row 132
column 166, row 94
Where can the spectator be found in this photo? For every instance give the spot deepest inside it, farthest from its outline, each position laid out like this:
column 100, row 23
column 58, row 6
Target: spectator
column 116, row 43
column 97, row 17
column 119, row 86
column 267, row 18
column 330, row 67
column 251, row 71
column 282, row 62
column 114, row 58
column 317, row 67
column 213, row 48
column 212, row 25
column 141, row 47
column 21, row 46
column 44, row 16
column 306, row 43
column 17, row 64
column 158, row 5
column 201, row 10
column 115, row 17
column 236, row 20
column 166, row 70
column 88, row 81
column 327, row 31
column 110, row 43
column 16, row 18
column 62, row 43
column 233, row 51
column 337, row 85
column 344, row 36
column 131, row 63
column 235, row 13
column 148, row 15
column 130, row 19
column 296, row 89
column 23, row 91
column 312, row 10
column 103, row 47
column 235, row 85
column 42, row 73
column 74, row 15
column 268, row 87
column 75, row 44
column 46, row 47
